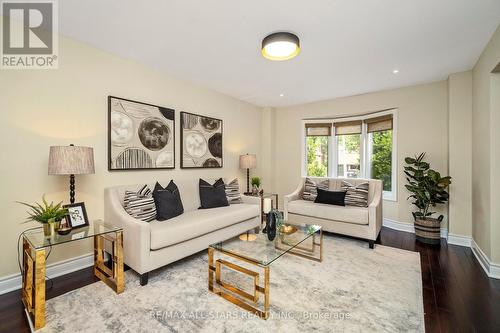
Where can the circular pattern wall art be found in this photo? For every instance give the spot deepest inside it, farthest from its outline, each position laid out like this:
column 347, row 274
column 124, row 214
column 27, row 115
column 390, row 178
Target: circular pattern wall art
column 141, row 136
column 201, row 141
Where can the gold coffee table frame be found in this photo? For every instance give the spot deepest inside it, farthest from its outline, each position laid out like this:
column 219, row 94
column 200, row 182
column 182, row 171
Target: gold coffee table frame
column 244, row 299
column 33, row 278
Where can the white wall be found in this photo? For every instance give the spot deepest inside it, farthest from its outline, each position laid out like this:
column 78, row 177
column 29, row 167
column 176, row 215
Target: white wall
column 486, row 151
column 69, row 105
column 422, row 126
column 460, row 153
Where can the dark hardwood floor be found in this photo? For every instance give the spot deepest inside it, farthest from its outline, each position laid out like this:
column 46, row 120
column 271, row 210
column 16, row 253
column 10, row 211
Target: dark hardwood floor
column 458, row 296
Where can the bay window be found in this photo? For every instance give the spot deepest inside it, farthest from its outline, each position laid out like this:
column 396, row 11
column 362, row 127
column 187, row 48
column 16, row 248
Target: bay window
column 355, row 147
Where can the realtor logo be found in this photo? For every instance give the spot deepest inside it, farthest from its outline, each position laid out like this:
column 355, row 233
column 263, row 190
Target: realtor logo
column 29, row 34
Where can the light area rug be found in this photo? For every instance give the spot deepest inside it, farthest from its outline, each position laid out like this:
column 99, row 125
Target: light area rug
column 354, row 289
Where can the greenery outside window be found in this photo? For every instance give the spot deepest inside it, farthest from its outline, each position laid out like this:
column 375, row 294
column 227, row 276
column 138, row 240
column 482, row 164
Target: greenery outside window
column 317, row 144
column 358, row 147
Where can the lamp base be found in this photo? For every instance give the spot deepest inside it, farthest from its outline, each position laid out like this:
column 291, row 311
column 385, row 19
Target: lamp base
column 248, row 237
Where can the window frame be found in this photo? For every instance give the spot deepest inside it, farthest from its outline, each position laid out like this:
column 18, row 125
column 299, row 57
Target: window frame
column 365, row 148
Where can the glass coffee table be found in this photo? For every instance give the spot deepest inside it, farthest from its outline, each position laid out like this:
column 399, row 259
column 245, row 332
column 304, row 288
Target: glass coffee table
column 35, row 244
column 302, row 240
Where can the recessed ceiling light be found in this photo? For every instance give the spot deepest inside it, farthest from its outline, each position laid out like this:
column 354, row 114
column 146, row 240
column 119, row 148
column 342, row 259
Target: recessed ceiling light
column 281, row 95
column 280, row 46
column 396, row 71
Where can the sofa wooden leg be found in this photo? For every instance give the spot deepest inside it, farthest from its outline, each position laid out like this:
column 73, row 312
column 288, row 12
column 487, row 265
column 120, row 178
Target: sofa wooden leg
column 371, row 244
column 144, row 279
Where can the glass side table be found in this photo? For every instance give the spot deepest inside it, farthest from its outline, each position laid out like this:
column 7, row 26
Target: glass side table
column 274, row 202
column 34, row 245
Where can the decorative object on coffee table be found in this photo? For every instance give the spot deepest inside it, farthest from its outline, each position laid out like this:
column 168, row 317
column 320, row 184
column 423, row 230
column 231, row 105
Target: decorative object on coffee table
column 49, row 215
column 77, row 215
column 71, row 160
column 273, row 223
column 248, row 161
column 141, row 136
column 201, row 141
column 428, row 189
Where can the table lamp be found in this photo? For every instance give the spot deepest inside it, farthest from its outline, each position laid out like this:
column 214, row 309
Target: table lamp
column 248, row 161
column 71, row 160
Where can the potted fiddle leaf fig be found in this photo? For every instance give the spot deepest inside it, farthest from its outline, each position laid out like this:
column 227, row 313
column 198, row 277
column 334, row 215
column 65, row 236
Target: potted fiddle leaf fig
column 49, row 215
column 428, row 189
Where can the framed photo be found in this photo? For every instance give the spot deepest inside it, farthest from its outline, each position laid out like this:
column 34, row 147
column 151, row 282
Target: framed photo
column 77, row 215
column 141, row 136
column 201, row 141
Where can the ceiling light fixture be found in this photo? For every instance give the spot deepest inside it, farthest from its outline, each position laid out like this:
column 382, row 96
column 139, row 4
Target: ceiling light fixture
column 396, row 71
column 280, row 46
column 281, row 95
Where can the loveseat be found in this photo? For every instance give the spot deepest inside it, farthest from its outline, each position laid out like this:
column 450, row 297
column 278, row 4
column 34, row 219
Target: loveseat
column 150, row 245
column 360, row 222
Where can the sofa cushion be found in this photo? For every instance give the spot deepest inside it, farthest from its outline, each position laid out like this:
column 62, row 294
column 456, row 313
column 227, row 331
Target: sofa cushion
column 348, row 214
column 311, row 188
column 140, row 204
column 167, row 201
column 233, row 192
column 331, row 197
column 357, row 195
column 212, row 196
column 196, row 223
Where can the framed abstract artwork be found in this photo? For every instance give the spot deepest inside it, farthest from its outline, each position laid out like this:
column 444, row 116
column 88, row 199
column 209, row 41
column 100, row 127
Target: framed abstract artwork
column 140, row 136
column 201, row 141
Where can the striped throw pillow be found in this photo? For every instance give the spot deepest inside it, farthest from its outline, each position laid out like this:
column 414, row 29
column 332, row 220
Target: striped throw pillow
column 356, row 195
column 311, row 188
column 233, row 192
column 140, row 204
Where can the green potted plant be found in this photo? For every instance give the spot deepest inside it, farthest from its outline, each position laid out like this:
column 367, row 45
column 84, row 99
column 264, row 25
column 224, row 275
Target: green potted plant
column 428, row 189
column 255, row 184
column 49, row 215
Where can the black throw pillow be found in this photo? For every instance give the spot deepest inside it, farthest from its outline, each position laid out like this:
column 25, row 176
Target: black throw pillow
column 331, row 197
column 167, row 201
column 212, row 196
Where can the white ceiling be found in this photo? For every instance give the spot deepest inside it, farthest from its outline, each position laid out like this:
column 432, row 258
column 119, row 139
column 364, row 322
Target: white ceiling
column 348, row 46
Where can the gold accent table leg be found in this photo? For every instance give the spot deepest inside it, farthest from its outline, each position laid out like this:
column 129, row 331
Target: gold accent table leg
column 321, row 245
column 118, row 272
column 114, row 277
column 211, row 269
column 266, row 292
column 308, row 253
column 39, row 297
column 245, row 300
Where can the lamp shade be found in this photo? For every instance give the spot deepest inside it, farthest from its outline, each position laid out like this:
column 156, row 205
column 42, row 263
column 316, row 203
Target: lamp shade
column 71, row 160
column 248, row 161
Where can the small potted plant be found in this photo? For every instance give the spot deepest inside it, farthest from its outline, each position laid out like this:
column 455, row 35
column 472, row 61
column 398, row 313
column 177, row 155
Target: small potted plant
column 255, row 185
column 49, row 215
column 427, row 189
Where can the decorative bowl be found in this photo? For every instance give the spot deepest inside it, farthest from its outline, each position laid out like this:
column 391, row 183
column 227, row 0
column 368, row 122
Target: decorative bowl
column 287, row 229
column 64, row 230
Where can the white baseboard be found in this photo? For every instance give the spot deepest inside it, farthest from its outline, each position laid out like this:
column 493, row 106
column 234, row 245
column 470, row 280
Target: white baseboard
column 14, row 281
column 492, row 269
column 407, row 227
column 460, row 240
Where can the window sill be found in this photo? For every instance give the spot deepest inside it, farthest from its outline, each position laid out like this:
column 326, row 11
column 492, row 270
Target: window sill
column 390, row 196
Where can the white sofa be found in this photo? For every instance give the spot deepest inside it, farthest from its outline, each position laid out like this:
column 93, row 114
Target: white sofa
column 150, row 245
column 352, row 221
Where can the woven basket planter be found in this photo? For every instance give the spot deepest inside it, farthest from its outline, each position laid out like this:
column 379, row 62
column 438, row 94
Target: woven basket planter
column 428, row 231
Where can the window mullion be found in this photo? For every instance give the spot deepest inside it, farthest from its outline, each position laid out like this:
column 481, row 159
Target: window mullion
column 332, row 151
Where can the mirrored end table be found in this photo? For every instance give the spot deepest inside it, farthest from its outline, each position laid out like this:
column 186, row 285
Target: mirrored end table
column 35, row 244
